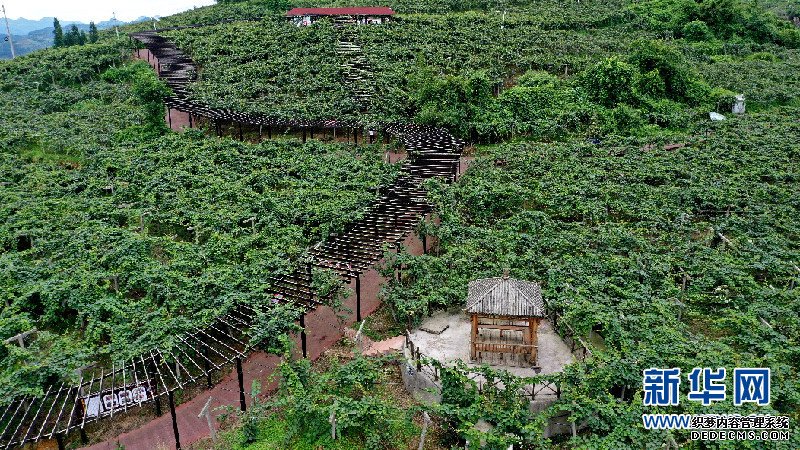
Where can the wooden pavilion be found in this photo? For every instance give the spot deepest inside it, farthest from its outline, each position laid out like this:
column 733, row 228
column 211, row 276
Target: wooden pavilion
column 505, row 315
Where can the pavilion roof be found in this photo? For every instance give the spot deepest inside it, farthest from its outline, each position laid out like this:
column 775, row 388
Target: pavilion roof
column 504, row 296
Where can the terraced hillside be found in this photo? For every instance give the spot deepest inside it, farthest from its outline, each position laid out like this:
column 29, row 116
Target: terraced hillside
column 127, row 249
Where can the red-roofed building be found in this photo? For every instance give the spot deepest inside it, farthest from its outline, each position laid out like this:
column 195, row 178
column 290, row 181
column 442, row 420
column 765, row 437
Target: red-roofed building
column 359, row 15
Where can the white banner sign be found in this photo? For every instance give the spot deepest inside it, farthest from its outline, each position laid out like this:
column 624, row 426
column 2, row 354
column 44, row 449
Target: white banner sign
column 95, row 405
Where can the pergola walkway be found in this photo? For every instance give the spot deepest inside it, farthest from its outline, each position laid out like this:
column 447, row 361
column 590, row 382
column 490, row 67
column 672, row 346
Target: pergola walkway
column 154, row 377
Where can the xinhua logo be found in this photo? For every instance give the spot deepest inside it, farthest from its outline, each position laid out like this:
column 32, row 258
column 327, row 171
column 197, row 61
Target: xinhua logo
column 662, row 386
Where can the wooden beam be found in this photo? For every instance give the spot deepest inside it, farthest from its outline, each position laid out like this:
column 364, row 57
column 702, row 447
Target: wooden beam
column 20, row 338
column 473, row 337
column 533, row 324
column 505, row 327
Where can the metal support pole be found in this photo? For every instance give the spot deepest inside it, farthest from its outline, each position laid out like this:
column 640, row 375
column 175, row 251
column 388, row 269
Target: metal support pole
column 304, row 135
column 303, row 334
column 191, row 125
column 240, row 375
column 269, row 132
column 157, row 400
column 169, row 117
column 358, row 297
column 207, row 367
column 60, row 441
column 240, row 132
column 174, row 420
column 424, row 244
column 8, row 30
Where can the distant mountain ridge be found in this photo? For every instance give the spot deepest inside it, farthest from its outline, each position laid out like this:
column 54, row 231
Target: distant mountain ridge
column 31, row 35
column 23, row 26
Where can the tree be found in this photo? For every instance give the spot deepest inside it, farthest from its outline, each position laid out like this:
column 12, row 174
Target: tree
column 72, row 37
column 58, row 34
column 93, row 35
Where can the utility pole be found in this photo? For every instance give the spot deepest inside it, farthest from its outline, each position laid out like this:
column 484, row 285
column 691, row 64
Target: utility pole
column 8, row 31
column 116, row 24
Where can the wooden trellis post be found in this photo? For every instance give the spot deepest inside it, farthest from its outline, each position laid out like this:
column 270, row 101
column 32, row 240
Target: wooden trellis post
column 426, row 420
column 473, row 352
column 206, row 367
column 20, row 338
column 332, row 421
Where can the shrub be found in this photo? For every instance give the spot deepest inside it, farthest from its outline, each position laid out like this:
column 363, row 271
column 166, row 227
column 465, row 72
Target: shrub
column 538, row 78
column 724, row 16
column 789, row 37
column 762, row 56
column 651, row 84
column 621, row 120
column 610, row 82
column 697, row 30
column 680, row 82
column 364, row 413
column 667, row 114
column 721, row 99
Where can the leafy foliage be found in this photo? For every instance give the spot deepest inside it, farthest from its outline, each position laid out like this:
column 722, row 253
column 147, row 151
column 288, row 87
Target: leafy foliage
column 115, row 236
column 450, row 52
column 498, row 402
column 270, row 67
column 352, row 391
column 676, row 257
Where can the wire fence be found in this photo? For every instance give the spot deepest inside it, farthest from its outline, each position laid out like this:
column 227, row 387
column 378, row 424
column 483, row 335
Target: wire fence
column 430, row 368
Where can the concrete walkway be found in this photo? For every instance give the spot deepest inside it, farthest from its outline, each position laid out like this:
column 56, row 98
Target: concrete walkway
column 158, row 432
column 453, row 344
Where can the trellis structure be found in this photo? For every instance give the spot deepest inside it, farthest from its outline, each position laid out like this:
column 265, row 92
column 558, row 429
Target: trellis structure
column 103, row 392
